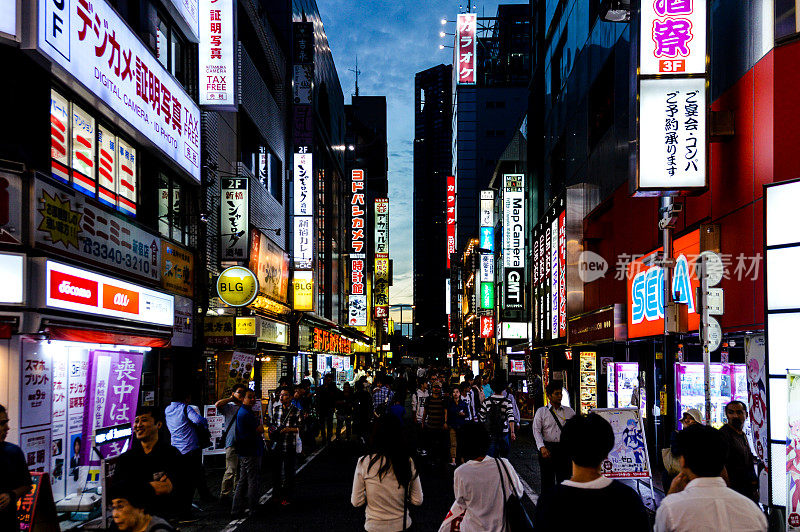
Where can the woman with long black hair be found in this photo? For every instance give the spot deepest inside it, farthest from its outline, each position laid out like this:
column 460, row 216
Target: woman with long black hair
column 386, row 479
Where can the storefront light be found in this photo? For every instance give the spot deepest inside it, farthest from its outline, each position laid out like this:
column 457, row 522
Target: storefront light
column 61, row 344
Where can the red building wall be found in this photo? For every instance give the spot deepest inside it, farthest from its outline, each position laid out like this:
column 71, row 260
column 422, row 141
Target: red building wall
column 764, row 148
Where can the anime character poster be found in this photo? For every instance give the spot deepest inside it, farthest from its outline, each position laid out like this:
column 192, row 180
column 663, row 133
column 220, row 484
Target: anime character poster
column 757, row 407
column 628, row 458
column 793, row 453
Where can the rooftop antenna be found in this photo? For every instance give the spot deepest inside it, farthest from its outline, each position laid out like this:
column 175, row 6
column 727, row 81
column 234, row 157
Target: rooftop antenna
column 357, row 72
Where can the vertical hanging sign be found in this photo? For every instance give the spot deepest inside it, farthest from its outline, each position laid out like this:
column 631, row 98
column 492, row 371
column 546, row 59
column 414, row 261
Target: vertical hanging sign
column 303, row 167
column 234, row 218
column 465, row 47
column 382, row 258
column 673, row 101
column 357, row 302
column 216, row 54
column 451, row 217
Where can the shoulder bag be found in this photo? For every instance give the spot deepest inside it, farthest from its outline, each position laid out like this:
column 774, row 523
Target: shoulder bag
column 201, row 431
column 515, row 517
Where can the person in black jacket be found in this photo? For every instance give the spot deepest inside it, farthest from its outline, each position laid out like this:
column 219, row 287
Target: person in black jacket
column 151, row 465
column 588, row 499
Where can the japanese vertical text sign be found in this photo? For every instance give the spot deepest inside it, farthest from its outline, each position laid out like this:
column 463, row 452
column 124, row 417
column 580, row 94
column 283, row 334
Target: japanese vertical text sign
column 216, row 54
column 234, row 216
column 303, row 209
column 672, row 96
column 514, row 221
column 673, row 37
column 98, row 49
column 358, row 299
column 381, row 258
column 465, row 47
column 451, row 217
column 113, row 386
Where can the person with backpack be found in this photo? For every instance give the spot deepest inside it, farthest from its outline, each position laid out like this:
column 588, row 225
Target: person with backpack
column 497, row 415
column 386, row 480
column 186, row 426
column 249, row 444
column 229, row 407
column 554, row 463
column 381, row 396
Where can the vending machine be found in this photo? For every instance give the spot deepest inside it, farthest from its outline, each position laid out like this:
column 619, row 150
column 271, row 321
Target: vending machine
column 690, row 389
column 622, row 383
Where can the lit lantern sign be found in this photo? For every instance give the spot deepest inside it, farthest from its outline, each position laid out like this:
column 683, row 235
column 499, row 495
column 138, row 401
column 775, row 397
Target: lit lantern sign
column 451, row 217
column 303, row 290
column 672, row 112
column 646, row 288
column 673, row 37
column 467, row 25
column 487, row 327
column 487, row 296
column 216, row 54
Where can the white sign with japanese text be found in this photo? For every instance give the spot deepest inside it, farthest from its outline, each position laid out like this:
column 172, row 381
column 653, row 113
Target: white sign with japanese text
column 381, row 226
column 672, row 132
column 673, row 37
column 217, row 52
column 187, row 13
column 36, row 390
column 514, row 221
column 303, row 242
column 487, row 268
column 95, row 46
column 235, row 218
column 358, row 310
column 303, row 184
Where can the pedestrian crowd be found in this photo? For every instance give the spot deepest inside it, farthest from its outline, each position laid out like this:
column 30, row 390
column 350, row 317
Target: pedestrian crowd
column 468, row 424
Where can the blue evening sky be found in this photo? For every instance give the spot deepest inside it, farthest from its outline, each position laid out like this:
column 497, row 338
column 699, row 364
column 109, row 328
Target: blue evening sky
column 393, row 41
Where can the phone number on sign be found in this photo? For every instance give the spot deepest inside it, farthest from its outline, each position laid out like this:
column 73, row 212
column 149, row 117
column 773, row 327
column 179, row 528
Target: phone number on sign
column 116, row 256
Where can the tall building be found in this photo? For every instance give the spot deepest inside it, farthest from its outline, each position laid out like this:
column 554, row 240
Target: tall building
column 366, row 150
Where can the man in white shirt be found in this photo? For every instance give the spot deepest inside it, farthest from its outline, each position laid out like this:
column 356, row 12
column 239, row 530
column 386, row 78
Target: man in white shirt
column 554, row 464
column 698, row 498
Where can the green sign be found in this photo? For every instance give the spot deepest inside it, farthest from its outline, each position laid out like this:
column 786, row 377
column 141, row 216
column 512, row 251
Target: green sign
column 487, row 296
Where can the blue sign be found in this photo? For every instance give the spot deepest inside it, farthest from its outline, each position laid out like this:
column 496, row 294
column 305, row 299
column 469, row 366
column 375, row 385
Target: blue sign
column 487, row 238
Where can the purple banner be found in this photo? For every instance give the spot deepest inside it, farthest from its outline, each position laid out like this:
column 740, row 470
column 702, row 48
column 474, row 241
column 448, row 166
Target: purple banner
column 112, row 396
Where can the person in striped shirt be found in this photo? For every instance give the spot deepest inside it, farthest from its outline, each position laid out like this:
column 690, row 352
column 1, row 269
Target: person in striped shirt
column 497, row 414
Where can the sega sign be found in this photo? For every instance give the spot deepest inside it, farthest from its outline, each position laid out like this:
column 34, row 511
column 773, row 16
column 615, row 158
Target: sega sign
column 646, row 288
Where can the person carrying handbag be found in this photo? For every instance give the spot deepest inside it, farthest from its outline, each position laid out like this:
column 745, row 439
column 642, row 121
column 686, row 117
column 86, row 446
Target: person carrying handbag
column 229, row 407
column 548, row 423
column 487, row 490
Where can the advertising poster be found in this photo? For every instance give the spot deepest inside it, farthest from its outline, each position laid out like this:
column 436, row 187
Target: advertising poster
column 68, row 224
column 77, row 371
column 36, row 447
column 271, row 266
column 793, row 453
column 757, row 407
column 177, row 269
column 240, row 370
column 36, row 395
column 216, row 425
column 628, row 458
column 113, row 383
column 588, row 376
column 59, row 426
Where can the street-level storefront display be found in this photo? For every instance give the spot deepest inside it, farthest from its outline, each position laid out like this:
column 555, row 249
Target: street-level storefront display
column 332, row 353
column 80, row 360
column 728, row 383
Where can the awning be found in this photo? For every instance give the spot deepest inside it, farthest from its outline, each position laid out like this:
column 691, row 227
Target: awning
column 105, row 336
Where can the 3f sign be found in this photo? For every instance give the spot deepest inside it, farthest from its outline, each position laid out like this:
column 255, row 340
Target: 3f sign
column 672, row 65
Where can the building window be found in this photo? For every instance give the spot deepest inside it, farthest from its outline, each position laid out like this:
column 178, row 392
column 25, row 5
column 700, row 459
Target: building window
column 172, row 215
column 168, row 45
column 786, row 20
column 94, row 158
column 601, row 103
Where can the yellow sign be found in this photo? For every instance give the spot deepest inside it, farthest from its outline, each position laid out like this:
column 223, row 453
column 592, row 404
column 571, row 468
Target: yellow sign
column 303, row 290
column 177, row 267
column 237, row 286
column 59, row 220
column 246, row 326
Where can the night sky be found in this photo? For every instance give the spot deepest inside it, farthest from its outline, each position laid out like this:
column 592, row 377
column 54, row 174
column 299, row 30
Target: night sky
column 393, row 41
